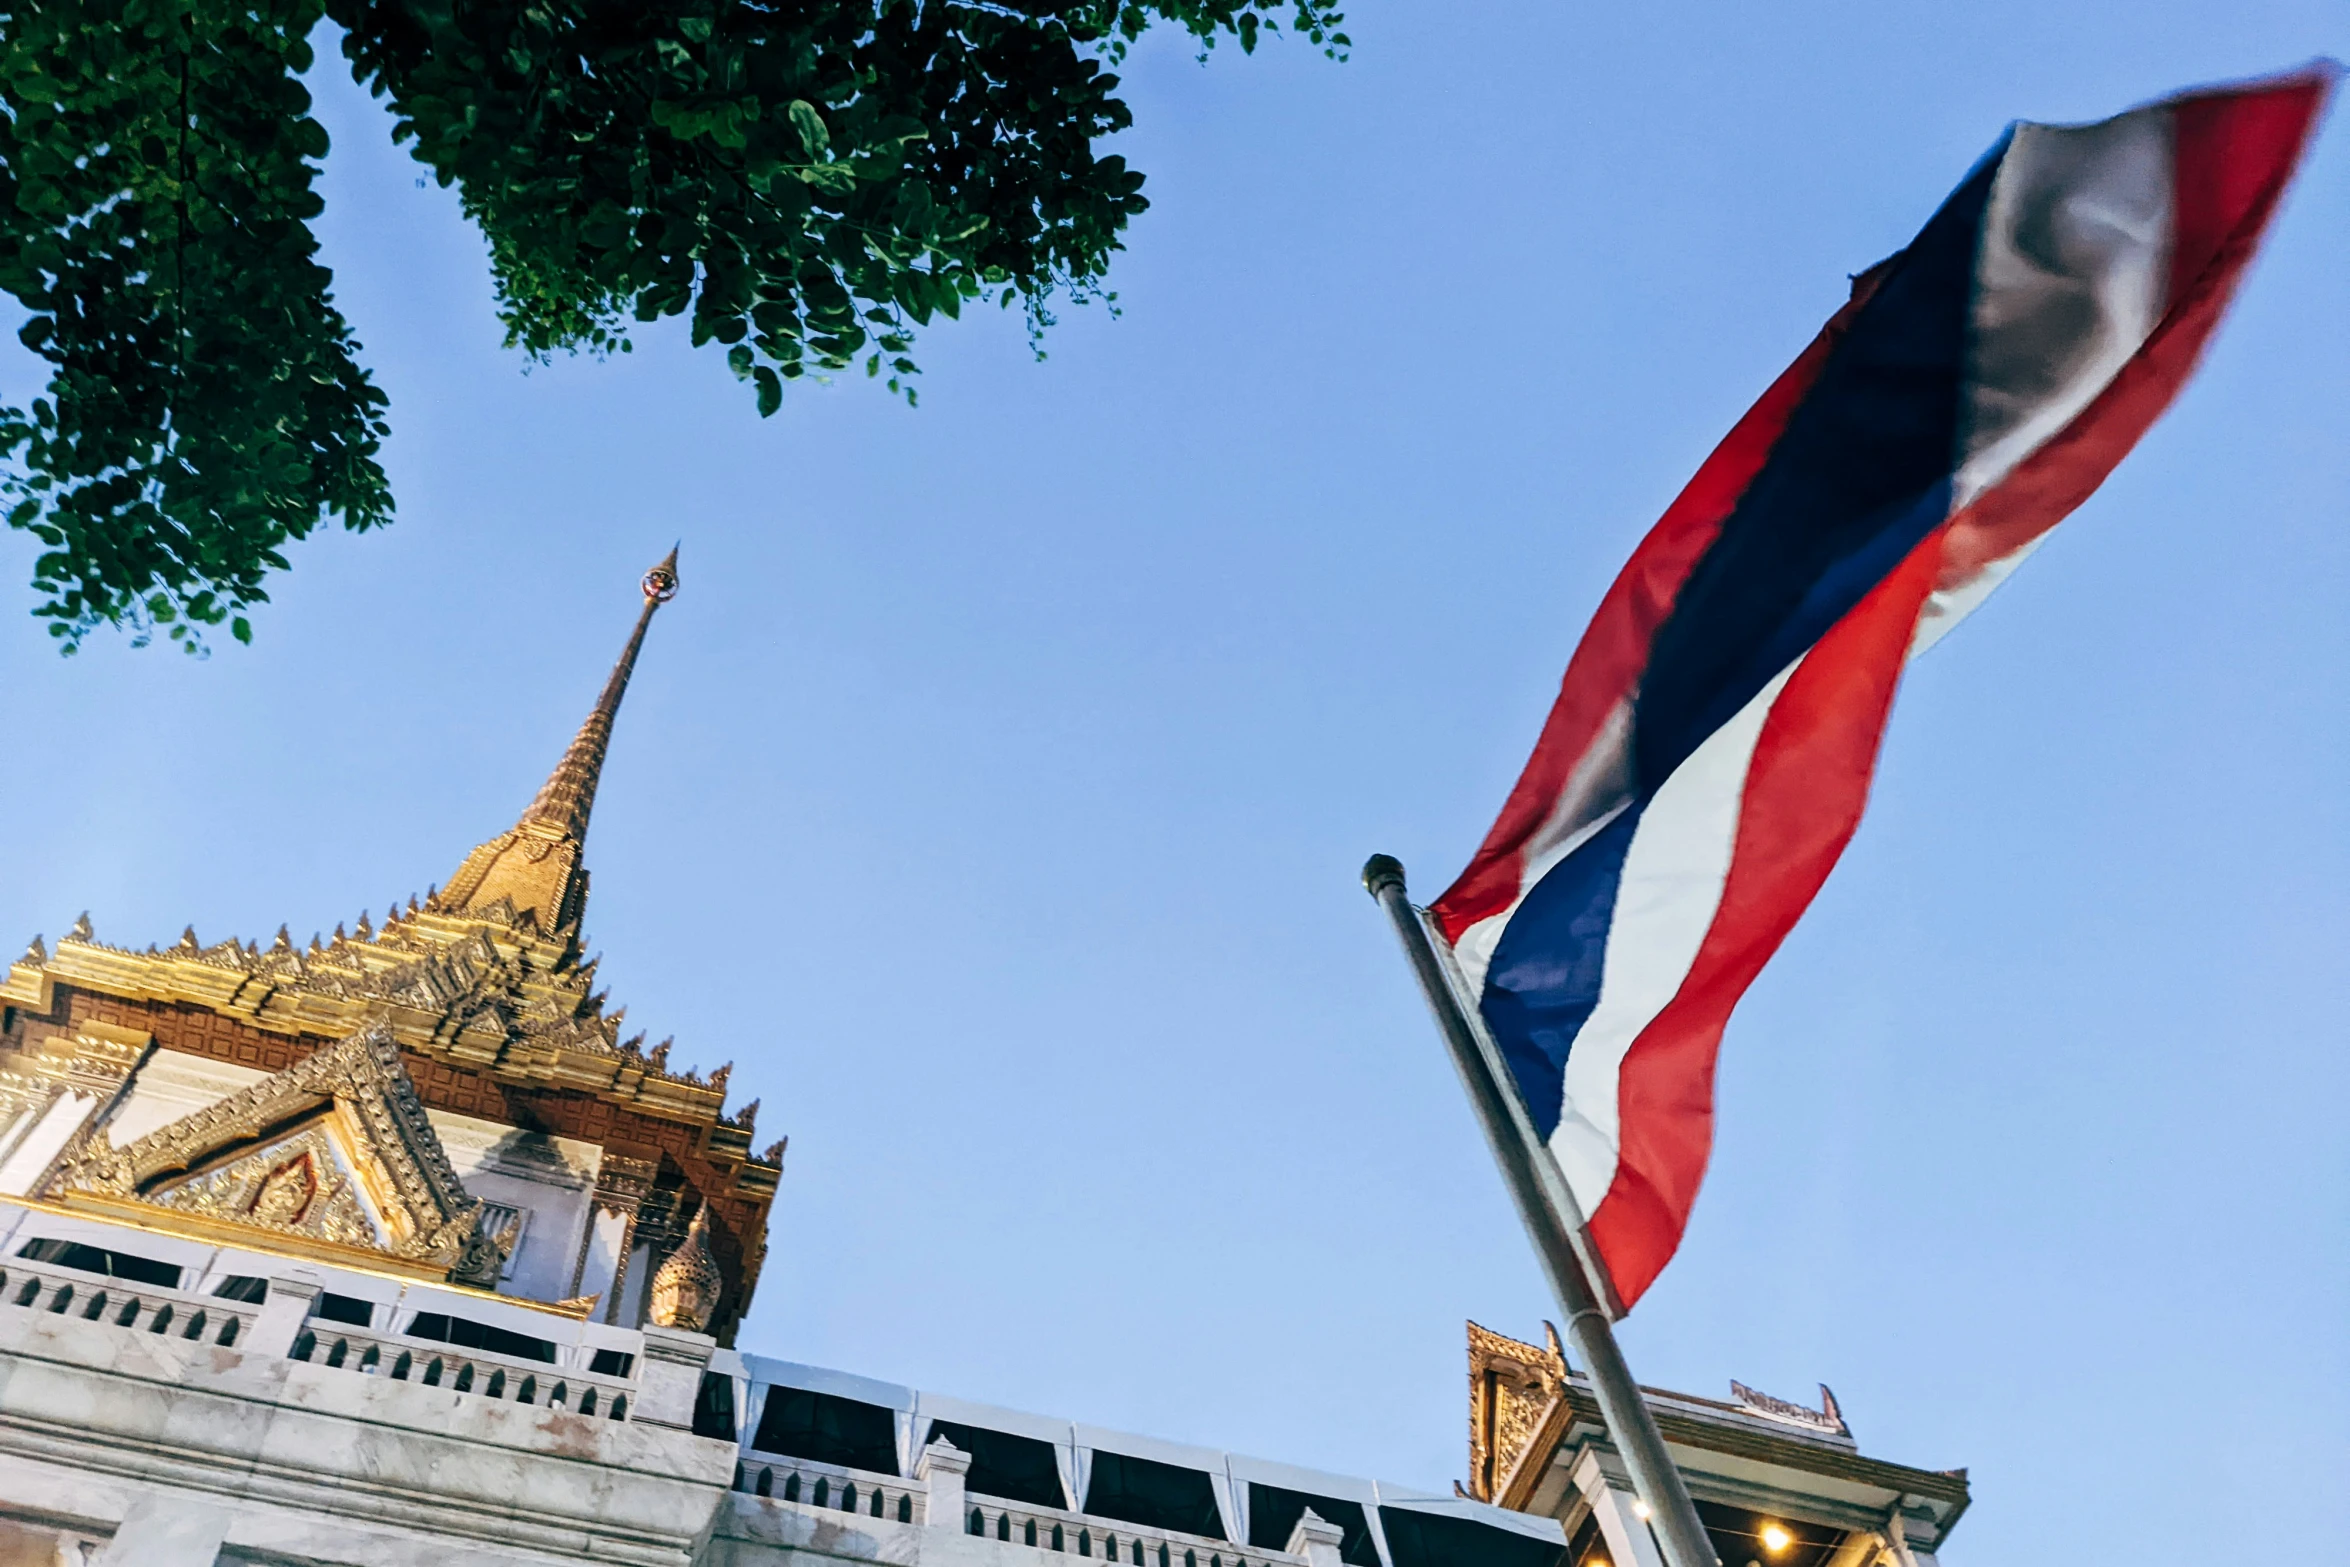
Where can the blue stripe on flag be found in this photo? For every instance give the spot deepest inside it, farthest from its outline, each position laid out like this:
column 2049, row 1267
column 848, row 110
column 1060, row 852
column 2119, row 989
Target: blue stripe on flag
column 1858, row 478
column 1544, row 977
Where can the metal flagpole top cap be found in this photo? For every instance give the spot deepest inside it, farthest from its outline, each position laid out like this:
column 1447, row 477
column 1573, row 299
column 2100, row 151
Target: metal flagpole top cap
column 1380, row 872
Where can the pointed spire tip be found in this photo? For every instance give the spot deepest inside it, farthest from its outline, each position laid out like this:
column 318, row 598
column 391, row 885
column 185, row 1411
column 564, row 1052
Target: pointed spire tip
column 660, row 583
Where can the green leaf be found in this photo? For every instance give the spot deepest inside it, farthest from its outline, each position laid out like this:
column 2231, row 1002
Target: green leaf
column 829, row 176
column 810, row 125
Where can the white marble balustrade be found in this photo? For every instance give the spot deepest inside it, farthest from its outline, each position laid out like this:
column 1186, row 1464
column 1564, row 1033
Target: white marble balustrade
column 832, row 1487
column 1129, row 1545
column 482, row 1373
column 26, row 1285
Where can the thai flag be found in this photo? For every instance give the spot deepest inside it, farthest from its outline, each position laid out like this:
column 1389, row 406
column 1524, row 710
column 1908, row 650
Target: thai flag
column 1711, row 747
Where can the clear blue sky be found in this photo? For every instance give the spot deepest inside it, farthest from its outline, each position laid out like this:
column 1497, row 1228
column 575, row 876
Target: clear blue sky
column 994, row 792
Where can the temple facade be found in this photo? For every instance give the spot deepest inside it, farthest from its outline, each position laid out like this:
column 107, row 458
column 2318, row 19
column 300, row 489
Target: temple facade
column 1777, row 1483
column 394, row 1248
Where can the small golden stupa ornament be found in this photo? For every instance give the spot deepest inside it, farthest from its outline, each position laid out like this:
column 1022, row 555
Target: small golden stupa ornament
column 685, row 1289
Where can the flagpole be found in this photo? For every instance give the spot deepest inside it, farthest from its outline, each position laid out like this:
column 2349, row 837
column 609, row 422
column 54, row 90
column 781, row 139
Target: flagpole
column 1546, row 1215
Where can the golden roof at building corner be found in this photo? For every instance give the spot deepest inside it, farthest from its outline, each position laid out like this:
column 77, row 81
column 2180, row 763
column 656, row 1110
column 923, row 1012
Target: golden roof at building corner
column 486, row 973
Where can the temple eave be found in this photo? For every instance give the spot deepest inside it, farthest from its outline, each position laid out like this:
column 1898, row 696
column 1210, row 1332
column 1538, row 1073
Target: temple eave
column 612, row 1073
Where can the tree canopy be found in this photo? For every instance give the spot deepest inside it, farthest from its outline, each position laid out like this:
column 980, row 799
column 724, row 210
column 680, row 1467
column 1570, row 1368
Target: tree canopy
column 808, row 181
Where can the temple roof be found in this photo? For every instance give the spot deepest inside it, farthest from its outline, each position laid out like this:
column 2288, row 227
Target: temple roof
column 486, row 973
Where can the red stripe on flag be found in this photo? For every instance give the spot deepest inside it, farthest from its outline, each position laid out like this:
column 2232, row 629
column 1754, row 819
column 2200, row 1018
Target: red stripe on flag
column 2232, row 152
column 1805, row 790
column 1614, row 650
column 2233, row 155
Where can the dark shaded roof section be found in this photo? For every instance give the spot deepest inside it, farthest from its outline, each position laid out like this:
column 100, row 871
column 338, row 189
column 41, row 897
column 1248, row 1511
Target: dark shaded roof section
column 1155, row 1495
column 1273, row 1513
column 1738, row 1538
column 714, row 1406
column 1015, row 1468
column 1417, row 1539
column 1587, row 1544
column 98, row 1259
column 476, row 1335
column 828, row 1429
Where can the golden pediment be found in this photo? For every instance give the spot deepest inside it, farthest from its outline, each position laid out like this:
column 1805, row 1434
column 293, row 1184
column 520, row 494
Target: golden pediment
column 1513, row 1389
column 333, row 1156
column 298, row 1186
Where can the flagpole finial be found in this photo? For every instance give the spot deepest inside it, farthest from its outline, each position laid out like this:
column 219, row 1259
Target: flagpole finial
column 1380, row 872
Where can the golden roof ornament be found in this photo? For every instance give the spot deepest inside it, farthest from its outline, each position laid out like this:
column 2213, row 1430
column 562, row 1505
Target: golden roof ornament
column 685, row 1289
column 532, row 871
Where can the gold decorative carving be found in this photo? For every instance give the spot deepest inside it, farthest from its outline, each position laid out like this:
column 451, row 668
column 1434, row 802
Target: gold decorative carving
column 337, row 1148
column 1512, row 1386
column 93, row 1060
column 296, row 1186
column 621, row 1185
column 472, row 988
column 685, row 1288
column 622, row 1182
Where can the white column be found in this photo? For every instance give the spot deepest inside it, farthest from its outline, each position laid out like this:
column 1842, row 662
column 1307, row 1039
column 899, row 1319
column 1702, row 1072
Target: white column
column 1900, row 1549
column 279, row 1321
column 27, row 1115
column 942, row 1467
column 669, row 1376
column 1602, row 1478
column 1316, row 1539
column 30, row 1161
column 600, row 1252
column 626, row 1309
column 166, row 1529
column 1862, row 1548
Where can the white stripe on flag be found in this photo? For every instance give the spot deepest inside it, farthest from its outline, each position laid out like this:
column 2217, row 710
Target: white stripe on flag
column 1946, row 607
column 1674, row 871
column 2070, row 277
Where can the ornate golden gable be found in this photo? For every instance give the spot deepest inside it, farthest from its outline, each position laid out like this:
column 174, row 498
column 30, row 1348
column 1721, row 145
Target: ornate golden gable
column 333, row 1157
column 1513, row 1386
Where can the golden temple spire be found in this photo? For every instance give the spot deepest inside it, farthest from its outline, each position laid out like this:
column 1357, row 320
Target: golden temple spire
column 570, row 791
column 536, row 865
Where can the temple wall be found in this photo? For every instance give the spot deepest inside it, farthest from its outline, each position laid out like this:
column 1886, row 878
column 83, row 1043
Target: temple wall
column 547, row 1180
column 180, row 1454
column 158, row 1424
